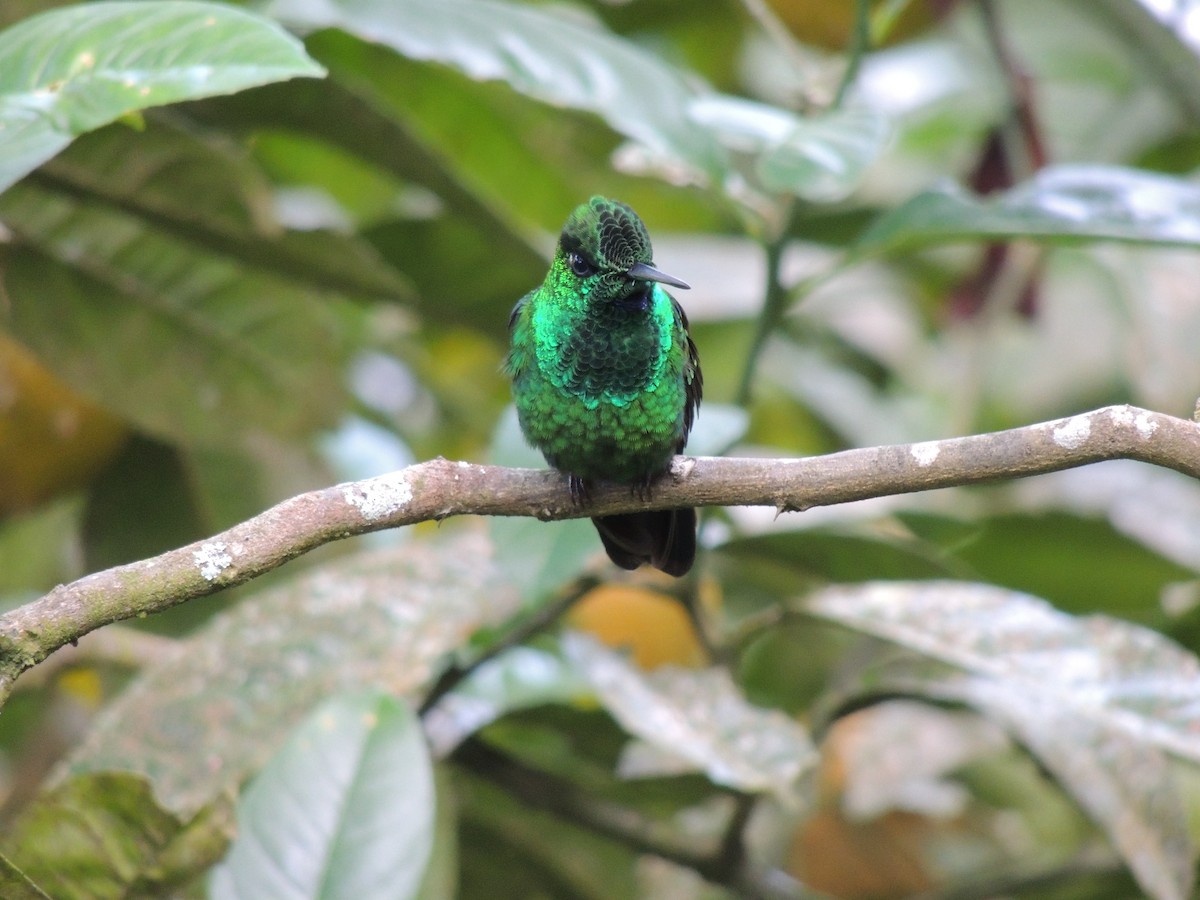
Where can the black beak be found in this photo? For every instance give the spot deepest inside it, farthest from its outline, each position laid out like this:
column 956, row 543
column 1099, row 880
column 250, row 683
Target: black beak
column 643, row 272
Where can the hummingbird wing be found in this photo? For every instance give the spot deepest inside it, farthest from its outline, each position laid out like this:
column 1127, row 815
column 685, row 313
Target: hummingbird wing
column 693, row 378
column 517, row 347
column 516, row 312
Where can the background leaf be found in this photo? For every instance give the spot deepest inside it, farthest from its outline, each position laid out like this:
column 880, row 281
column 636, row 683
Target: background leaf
column 1067, row 203
column 243, row 682
column 104, row 836
column 68, row 71
column 1123, row 675
column 357, row 773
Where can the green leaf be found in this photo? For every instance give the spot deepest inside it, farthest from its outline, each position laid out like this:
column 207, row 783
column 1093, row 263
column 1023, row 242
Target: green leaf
column 204, row 192
column 90, row 289
column 1026, row 551
column 241, row 684
column 104, row 835
column 553, row 58
column 1062, row 204
column 842, row 553
column 345, row 809
column 71, row 70
column 693, row 720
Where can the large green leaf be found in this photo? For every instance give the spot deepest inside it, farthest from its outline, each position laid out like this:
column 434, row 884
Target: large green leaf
column 551, row 57
column 185, row 343
column 201, row 190
column 1062, row 204
column 69, row 71
column 1107, row 571
column 236, row 689
column 357, row 778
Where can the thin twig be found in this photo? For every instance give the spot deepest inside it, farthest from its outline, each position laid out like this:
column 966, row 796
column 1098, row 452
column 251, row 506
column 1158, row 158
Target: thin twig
column 540, row 620
column 775, row 302
column 860, row 44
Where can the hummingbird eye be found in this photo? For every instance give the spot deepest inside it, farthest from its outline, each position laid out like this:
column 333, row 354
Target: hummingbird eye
column 579, row 265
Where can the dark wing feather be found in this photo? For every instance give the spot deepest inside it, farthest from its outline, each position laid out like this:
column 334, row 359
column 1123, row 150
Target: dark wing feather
column 693, row 379
column 510, row 363
column 516, row 312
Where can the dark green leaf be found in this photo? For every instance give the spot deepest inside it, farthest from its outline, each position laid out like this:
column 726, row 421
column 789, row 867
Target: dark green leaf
column 104, row 835
column 90, row 290
column 357, row 779
column 141, row 505
column 72, row 70
column 203, row 192
column 1107, row 570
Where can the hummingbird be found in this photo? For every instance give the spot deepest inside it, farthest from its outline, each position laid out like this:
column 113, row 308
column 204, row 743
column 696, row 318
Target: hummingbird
column 606, row 378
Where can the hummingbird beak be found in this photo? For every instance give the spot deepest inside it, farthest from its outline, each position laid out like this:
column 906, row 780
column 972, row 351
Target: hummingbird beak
column 643, row 272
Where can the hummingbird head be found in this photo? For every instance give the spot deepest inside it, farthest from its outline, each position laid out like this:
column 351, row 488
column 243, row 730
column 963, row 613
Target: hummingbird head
column 605, row 250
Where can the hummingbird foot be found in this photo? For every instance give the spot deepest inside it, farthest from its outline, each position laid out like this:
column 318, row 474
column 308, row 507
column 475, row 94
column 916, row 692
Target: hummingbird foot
column 643, row 488
column 579, row 489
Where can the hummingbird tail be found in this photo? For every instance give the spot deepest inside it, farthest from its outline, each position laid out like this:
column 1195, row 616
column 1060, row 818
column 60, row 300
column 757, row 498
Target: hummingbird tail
column 666, row 539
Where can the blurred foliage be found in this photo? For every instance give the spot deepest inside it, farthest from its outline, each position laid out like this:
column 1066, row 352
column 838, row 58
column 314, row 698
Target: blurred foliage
column 246, row 252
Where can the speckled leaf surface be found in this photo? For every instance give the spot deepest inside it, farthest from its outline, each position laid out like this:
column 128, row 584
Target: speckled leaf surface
column 215, row 712
column 1100, row 702
column 696, row 720
column 1117, row 672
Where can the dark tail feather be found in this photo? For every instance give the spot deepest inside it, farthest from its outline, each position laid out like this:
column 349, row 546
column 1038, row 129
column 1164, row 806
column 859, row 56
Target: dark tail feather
column 666, row 539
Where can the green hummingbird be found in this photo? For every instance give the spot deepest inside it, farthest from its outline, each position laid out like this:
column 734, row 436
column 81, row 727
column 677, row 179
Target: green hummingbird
column 606, row 378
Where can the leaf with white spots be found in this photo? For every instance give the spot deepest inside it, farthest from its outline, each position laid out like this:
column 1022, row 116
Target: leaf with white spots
column 71, row 70
column 1120, row 673
column 1100, row 702
column 213, row 713
column 695, row 721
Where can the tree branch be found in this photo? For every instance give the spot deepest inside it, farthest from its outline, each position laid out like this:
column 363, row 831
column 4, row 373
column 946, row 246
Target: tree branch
column 441, row 488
